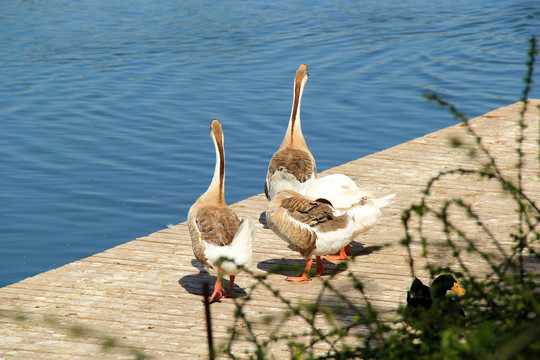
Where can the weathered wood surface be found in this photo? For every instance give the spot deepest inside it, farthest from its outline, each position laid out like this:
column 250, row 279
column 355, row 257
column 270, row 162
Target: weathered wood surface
column 146, row 294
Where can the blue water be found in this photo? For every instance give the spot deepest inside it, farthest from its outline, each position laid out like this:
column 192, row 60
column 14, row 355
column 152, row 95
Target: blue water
column 105, row 105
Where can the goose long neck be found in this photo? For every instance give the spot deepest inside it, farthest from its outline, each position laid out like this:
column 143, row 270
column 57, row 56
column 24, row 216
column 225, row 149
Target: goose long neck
column 294, row 136
column 294, row 121
column 216, row 190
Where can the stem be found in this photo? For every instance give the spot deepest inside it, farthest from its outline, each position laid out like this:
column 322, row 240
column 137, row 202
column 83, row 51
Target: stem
column 206, row 294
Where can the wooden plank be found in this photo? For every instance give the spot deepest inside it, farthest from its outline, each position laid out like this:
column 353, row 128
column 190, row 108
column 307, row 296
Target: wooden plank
column 146, row 293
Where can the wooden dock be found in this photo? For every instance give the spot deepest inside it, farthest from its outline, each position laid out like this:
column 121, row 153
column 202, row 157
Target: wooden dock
column 145, row 296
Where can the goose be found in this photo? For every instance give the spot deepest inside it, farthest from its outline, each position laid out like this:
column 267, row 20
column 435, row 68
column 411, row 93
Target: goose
column 310, row 226
column 221, row 241
column 346, row 197
column 293, row 163
column 430, row 305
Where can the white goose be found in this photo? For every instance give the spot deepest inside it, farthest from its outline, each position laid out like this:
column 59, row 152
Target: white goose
column 346, row 197
column 292, row 164
column 311, row 227
column 220, row 240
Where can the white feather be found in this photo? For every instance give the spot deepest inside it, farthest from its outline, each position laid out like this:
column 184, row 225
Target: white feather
column 339, row 189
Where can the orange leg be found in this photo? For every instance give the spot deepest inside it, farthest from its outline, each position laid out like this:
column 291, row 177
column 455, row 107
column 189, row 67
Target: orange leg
column 320, row 266
column 305, row 275
column 230, row 291
column 219, row 292
column 341, row 255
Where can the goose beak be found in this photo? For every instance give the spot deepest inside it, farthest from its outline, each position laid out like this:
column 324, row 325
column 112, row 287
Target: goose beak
column 458, row 289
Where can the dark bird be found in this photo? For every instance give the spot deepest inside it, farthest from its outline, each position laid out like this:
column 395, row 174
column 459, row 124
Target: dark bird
column 430, row 307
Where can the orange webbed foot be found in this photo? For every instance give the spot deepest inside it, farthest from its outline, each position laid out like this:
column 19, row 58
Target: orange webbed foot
column 217, row 296
column 219, row 292
column 304, row 277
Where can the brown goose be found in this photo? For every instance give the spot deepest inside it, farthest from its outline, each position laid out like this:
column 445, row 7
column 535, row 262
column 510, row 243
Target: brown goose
column 221, row 241
column 311, row 226
column 293, row 163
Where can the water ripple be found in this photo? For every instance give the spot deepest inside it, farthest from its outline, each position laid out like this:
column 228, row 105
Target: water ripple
column 106, row 107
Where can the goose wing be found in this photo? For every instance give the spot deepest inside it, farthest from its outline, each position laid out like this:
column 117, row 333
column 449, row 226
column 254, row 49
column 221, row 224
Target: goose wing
column 307, row 211
column 217, row 225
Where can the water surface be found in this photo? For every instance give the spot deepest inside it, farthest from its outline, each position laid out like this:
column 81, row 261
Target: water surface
column 105, row 106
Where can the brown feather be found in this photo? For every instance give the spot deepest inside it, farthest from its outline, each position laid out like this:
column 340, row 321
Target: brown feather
column 197, row 245
column 308, row 211
column 297, row 162
column 304, row 240
column 217, row 225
